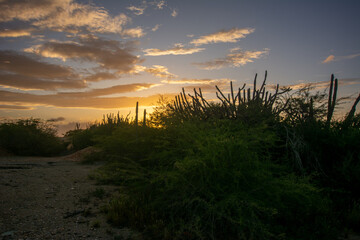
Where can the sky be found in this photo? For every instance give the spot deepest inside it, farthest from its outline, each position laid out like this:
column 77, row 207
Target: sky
column 70, row 61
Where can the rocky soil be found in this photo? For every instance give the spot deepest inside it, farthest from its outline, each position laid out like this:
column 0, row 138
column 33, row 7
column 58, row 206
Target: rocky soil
column 53, row 198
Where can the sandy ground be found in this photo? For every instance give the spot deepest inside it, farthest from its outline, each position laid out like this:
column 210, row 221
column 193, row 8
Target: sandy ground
column 53, row 198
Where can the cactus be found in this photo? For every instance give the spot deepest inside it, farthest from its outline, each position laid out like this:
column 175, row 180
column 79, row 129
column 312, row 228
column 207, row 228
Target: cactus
column 231, row 106
column 351, row 114
column 144, row 119
column 332, row 99
column 137, row 113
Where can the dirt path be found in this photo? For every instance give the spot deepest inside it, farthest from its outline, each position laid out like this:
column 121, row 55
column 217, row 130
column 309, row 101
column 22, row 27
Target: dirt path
column 52, row 198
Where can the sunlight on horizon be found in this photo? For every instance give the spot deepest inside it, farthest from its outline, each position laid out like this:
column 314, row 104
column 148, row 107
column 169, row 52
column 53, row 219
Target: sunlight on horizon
column 76, row 61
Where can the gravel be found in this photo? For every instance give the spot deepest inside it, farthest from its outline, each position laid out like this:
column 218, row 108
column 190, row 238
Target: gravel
column 50, row 198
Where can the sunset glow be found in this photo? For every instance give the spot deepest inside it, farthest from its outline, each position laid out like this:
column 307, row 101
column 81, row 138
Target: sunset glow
column 74, row 61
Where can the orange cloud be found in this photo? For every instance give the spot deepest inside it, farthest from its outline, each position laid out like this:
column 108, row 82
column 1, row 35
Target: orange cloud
column 100, row 76
column 15, row 107
column 203, row 81
column 178, row 49
column 160, row 71
column 106, row 91
column 232, row 35
column 324, row 84
column 62, row 15
column 330, row 58
column 174, row 13
column 137, row 32
column 236, row 58
column 71, row 102
column 16, row 32
column 137, row 10
column 159, row 4
column 156, row 27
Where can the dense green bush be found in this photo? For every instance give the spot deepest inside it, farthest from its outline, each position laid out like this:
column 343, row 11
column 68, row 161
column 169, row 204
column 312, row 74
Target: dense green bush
column 30, row 137
column 94, row 133
column 221, row 184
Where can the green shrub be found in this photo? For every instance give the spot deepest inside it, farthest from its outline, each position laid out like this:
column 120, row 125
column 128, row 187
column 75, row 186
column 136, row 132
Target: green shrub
column 223, row 187
column 253, row 166
column 30, row 137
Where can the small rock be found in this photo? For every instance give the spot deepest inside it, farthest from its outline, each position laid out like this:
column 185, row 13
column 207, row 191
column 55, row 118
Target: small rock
column 7, row 234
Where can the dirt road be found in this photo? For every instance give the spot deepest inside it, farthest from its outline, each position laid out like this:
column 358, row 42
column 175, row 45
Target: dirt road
column 52, row 198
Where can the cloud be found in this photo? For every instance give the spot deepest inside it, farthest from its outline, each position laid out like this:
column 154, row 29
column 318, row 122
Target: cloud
column 16, row 32
column 174, row 13
column 332, row 58
column 71, row 102
column 106, row 91
column 108, row 54
column 235, row 58
column 156, row 27
column 160, row 71
column 15, row 107
column 62, row 15
column 11, row 61
column 178, row 49
column 29, row 10
column 22, row 82
column 349, row 56
column 100, row 76
column 324, row 84
column 204, row 81
column 23, row 72
column 159, row 4
column 137, row 32
column 137, row 10
column 232, row 35
column 206, row 85
column 58, row 119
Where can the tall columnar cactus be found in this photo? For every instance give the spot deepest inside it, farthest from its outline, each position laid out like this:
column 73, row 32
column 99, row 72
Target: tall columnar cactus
column 144, row 119
column 232, row 106
column 137, row 113
column 332, row 99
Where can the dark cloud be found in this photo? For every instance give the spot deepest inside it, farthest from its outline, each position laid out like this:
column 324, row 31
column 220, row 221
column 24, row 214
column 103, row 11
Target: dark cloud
column 11, row 61
column 71, row 102
column 108, row 54
column 15, row 107
column 106, row 91
column 58, row 119
column 26, row 83
column 23, row 72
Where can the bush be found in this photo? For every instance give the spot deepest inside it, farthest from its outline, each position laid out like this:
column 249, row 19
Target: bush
column 254, row 166
column 223, row 186
column 30, row 137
